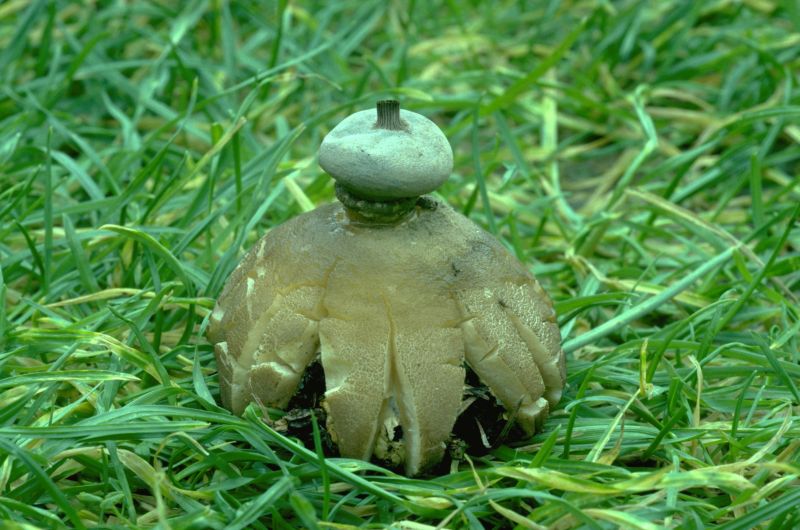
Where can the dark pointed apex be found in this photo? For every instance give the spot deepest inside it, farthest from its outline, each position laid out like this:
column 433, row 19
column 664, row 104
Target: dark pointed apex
column 389, row 116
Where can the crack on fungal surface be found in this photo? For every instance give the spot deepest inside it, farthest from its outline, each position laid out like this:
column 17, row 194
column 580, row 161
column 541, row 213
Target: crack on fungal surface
column 399, row 393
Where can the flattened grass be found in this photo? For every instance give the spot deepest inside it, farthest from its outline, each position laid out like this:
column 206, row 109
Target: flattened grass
column 641, row 157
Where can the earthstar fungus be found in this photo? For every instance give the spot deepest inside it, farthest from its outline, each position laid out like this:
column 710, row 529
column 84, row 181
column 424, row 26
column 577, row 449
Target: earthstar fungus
column 396, row 294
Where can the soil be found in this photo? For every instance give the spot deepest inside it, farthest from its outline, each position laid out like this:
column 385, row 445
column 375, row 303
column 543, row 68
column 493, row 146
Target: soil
column 306, row 406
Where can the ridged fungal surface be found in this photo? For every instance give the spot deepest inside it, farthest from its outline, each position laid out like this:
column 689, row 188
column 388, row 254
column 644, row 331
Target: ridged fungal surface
column 395, row 313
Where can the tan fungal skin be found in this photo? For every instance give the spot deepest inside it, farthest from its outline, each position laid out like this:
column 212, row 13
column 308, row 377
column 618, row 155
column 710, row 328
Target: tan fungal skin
column 395, row 311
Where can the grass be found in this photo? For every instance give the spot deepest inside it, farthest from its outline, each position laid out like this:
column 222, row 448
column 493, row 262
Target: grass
column 643, row 158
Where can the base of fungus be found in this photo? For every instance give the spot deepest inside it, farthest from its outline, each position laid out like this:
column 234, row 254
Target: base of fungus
column 483, row 424
column 304, row 408
column 389, row 447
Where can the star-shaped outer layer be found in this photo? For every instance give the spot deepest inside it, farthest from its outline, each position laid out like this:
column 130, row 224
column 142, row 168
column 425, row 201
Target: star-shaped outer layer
column 394, row 312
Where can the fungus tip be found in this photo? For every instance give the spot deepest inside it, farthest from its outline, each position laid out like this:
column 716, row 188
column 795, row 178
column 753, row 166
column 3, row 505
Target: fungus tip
column 389, row 116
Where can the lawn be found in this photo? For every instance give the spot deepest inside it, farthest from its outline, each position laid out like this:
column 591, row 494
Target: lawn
column 642, row 159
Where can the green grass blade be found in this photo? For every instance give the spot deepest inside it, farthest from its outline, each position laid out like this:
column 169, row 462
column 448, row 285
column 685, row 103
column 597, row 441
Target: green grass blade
column 650, row 304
